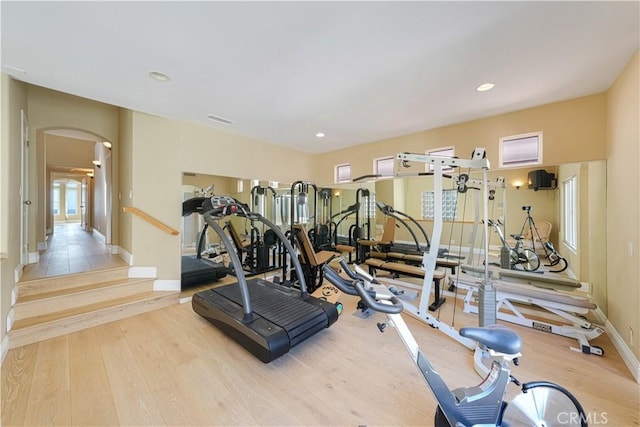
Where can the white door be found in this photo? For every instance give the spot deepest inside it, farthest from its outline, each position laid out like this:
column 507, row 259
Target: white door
column 84, row 204
column 24, row 190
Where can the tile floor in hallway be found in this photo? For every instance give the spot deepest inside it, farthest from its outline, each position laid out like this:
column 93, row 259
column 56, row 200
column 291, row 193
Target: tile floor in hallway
column 71, row 250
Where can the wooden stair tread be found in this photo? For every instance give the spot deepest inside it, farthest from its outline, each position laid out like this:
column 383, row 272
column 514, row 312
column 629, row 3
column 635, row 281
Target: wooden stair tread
column 78, row 289
column 70, row 277
column 65, row 314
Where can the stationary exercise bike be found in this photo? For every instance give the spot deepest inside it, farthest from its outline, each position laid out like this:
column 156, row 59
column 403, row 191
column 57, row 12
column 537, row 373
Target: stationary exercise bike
column 540, row 403
column 550, row 251
column 518, row 255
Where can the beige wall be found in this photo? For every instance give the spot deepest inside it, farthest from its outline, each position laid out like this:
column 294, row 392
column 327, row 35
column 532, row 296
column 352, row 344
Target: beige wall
column 49, row 109
column 125, row 178
column 623, row 181
column 156, row 181
column 13, row 98
column 574, row 131
column 211, row 151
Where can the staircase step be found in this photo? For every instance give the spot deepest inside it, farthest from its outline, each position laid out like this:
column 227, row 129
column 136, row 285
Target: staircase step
column 39, row 328
column 51, row 284
column 64, row 299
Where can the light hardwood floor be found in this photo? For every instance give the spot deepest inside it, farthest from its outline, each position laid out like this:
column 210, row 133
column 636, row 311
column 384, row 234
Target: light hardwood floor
column 171, row 367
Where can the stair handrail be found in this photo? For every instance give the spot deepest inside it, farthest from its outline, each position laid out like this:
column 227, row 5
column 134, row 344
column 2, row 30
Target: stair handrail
column 150, row 220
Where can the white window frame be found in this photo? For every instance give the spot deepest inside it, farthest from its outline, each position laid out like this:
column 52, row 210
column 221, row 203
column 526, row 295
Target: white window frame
column 443, row 152
column 570, row 212
column 511, row 141
column 336, row 173
column 376, row 164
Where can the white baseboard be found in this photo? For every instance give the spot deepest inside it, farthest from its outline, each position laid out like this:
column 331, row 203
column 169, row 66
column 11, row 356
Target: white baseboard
column 114, row 249
column 126, row 256
column 14, row 295
column 4, row 348
column 42, row 246
column 10, row 319
column 143, row 272
column 17, row 273
column 625, row 352
column 99, row 235
column 34, row 257
column 166, row 285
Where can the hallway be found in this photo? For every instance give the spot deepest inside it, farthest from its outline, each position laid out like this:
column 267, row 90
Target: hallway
column 71, row 250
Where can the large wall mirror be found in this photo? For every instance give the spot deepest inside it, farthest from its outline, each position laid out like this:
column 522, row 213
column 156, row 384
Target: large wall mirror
column 352, row 210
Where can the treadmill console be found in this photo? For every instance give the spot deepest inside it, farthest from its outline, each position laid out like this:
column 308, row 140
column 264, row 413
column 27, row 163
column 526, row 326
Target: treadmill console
column 220, row 206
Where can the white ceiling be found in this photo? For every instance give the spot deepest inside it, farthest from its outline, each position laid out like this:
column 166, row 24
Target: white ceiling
column 357, row 71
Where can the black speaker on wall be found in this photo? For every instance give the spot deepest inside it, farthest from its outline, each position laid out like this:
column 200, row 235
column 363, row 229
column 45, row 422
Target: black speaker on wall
column 542, row 180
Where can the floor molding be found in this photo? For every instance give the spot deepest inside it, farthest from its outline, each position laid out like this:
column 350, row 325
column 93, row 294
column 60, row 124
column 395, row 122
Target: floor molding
column 627, row 355
column 166, row 285
column 126, row 256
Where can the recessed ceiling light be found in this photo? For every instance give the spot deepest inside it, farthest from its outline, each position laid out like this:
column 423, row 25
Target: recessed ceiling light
column 485, row 87
column 220, row 119
column 161, row 77
column 320, row 135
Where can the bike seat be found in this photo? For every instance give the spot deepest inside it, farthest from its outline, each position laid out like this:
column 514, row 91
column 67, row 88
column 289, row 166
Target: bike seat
column 517, row 236
column 496, row 337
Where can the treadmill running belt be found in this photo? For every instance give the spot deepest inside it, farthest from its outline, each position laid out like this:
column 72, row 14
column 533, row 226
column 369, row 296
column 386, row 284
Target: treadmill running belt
column 299, row 318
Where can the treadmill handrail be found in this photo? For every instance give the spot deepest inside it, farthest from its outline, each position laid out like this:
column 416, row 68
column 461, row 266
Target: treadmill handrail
column 229, row 206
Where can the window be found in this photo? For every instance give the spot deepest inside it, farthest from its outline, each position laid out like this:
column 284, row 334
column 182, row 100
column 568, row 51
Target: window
column 570, row 203
column 370, row 206
column 521, row 150
column 56, row 199
column 383, row 166
column 449, row 204
column 71, row 197
column 442, row 152
column 342, row 173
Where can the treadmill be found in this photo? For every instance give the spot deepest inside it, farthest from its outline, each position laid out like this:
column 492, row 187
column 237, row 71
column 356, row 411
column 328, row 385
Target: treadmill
column 265, row 317
column 196, row 269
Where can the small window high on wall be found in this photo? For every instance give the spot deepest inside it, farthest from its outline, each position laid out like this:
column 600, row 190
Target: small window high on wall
column 342, row 173
column 442, row 152
column 521, row 150
column 383, row 166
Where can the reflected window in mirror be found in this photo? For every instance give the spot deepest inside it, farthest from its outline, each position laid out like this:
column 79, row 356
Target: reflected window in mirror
column 570, row 212
column 442, row 152
column 342, row 173
column 383, row 166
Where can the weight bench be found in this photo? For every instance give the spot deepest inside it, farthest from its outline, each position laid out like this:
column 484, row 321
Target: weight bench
column 525, row 277
column 510, row 297
column 414, row 259
column 398, row 268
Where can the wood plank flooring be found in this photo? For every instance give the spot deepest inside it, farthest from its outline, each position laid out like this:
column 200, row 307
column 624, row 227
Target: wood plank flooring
column 171, row 367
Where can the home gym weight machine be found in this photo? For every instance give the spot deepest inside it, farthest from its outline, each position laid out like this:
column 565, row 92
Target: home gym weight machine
column 487, row 295
column 540, row 403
